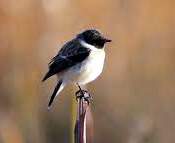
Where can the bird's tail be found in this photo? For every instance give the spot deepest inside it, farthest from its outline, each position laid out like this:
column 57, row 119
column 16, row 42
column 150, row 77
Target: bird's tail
column 60, row 85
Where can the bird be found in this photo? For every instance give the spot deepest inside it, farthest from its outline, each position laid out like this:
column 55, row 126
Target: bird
column 79, row 61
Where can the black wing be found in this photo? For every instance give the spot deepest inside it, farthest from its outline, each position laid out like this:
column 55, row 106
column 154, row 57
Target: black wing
column 69, row 55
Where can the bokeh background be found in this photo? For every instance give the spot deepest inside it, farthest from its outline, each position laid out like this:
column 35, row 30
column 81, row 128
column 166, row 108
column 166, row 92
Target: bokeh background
column 134, row 98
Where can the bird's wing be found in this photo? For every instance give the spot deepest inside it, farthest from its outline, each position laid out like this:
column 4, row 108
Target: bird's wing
column 69, row 55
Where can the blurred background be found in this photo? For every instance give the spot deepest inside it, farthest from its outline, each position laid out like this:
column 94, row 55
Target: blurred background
column 133, row 99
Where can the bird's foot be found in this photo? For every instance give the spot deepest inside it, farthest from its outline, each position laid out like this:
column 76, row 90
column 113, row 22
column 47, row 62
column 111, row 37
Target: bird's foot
column 87, row 97
column 83, row 94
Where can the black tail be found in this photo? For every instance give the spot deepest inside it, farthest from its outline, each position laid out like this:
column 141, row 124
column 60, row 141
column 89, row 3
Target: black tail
column 54, row 93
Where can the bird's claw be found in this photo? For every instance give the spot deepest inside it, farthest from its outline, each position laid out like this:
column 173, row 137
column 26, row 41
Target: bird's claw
column 83, row 93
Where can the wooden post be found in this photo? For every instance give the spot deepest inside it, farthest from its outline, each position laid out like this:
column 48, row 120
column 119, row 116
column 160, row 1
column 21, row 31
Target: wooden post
column 80, row 125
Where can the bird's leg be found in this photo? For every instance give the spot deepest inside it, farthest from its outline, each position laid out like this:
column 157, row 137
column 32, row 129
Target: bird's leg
column 79, row 93
column 83, row 93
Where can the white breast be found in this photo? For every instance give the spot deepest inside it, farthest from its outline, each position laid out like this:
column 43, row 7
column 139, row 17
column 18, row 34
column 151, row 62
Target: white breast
column 92, row 67
column 89, row 69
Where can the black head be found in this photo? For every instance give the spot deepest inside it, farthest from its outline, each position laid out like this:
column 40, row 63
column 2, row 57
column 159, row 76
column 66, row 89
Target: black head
column 93, row 37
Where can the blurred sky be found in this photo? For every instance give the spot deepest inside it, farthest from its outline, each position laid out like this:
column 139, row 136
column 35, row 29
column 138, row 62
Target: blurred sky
column 134, row 98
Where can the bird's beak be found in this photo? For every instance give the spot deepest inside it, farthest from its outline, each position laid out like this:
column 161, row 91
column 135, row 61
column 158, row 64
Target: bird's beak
column 107, row 40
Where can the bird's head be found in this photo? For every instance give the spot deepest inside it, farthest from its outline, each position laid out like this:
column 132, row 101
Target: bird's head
column 93, row 37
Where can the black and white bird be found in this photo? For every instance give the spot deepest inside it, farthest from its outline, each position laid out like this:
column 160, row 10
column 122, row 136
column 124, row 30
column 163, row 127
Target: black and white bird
column 79, row 61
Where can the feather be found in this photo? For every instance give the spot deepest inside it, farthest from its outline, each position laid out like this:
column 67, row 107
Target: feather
column 71, row 54
column 56, row 91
